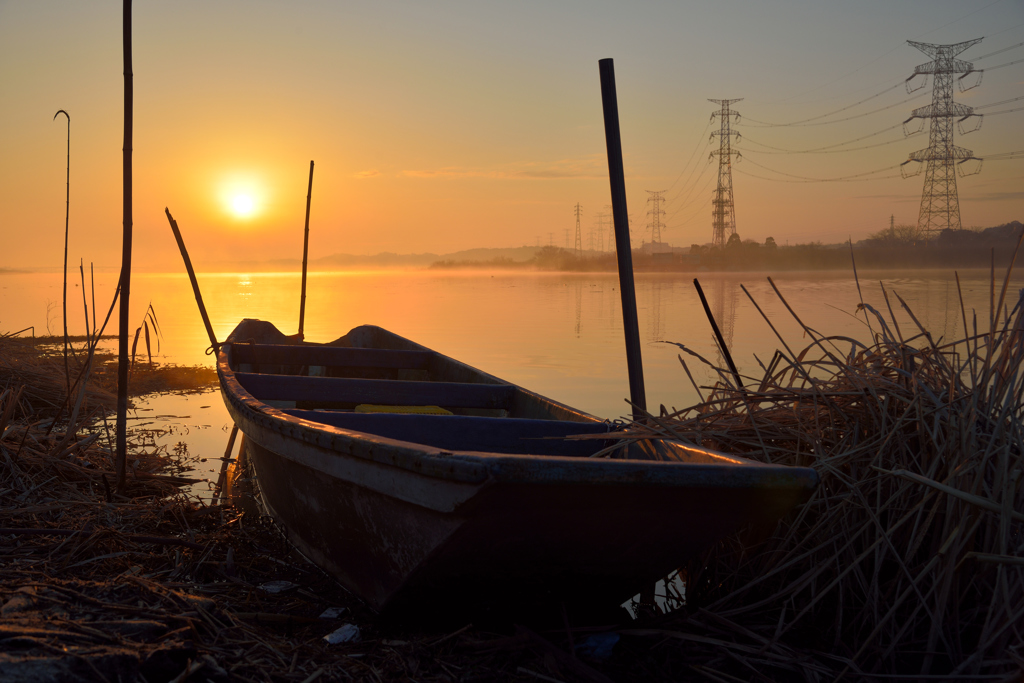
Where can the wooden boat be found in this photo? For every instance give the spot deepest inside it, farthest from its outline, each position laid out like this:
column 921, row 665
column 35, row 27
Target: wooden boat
column 487, row 503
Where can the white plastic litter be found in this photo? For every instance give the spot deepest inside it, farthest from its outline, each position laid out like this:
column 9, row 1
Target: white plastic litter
column 332, row 612
column 348, row 633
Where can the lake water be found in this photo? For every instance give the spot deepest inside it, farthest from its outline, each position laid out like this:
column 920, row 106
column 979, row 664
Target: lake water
column 558, row 334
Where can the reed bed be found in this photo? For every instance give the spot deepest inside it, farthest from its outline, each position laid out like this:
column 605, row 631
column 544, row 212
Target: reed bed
column 157, row 585
column 38, row 370
column 36, row 365
column 907, row 563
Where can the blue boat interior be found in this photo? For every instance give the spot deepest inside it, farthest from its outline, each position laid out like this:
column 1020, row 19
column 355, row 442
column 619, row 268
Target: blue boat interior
column 334, row 385
column 462, row 433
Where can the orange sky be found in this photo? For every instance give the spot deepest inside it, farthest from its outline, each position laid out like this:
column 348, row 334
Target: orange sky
column 449, row 125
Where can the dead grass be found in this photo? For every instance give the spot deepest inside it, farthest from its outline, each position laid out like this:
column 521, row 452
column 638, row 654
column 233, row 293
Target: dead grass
column 37, row 365
column 906, row 564
column 908, row 561
column 156, row 585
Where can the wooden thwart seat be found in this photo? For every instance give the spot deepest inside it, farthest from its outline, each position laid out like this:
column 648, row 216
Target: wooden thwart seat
column 330, row 356
column 267, row 387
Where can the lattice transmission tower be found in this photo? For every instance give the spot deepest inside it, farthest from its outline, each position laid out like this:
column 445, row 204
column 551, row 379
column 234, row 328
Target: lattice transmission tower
column 723, row 210
column 940, row 206
column 579, row 235
column 610, row 224
column 656, row 213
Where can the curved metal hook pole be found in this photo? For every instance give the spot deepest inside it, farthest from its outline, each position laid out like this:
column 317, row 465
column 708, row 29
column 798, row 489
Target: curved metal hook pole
column 67, row 206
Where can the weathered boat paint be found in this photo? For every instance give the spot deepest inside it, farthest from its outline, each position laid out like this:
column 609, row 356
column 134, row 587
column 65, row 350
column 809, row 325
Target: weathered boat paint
column 402, row 521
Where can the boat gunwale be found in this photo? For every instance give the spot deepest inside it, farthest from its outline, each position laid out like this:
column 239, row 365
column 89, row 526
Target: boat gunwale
column 479, row 466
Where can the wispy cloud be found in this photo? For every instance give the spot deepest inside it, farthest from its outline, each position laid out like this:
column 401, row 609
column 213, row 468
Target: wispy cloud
column 586, row 168
column 366, row 174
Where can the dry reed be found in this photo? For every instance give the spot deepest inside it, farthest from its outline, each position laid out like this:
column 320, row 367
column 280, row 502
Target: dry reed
column 154, row 585
column 907, row 563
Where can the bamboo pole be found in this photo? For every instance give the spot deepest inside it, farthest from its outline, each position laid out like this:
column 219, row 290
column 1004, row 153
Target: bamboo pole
column 305, row 253
column 92, row 290
column 631, row 327
column 192, row 278
column 126, row 250
column 67, row 210
column 85, row 302
column 718, row 334
column 219, row 488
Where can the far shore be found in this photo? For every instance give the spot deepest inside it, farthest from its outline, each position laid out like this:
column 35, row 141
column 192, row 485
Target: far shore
column 480, row 269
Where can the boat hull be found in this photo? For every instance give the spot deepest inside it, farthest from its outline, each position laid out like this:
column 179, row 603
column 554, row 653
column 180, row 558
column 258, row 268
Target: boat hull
column 406, row 525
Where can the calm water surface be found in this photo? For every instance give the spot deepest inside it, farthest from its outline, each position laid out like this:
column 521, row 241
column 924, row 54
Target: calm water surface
column 555, row 333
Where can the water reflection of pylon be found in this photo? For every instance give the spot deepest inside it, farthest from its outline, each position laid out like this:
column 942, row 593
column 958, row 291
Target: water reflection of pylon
column 723, row 305
column 655, row 315
column 579, row 306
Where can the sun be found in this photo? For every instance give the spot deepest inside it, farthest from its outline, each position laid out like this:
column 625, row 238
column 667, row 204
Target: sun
column 242, row 196
column 242, row 205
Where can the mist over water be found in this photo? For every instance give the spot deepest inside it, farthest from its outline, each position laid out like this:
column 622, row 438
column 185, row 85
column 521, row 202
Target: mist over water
column 555, row 333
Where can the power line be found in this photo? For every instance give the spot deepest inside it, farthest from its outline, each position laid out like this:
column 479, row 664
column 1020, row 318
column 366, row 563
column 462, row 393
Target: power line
column 1008, row 28
column 687, row 201
column 993, row 54
column 1001, row 155
column 950, row 23
column 1000, row 66
column 829, row 148
column 851, row 179
column 824, row 180
column 692, row 155
column 695, row 214
column 826, row 151
column 690, row 182
column 1004, row 111
column 886, row 54
column 841, row 109
column 766, row 124
column 993, row 156
column 996, row 104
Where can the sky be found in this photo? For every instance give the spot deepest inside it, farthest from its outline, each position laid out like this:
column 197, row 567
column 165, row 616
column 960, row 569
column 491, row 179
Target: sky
column 439, row 126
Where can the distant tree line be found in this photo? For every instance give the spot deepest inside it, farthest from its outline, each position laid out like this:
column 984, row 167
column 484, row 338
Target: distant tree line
column 910, row 235
column 900, row 246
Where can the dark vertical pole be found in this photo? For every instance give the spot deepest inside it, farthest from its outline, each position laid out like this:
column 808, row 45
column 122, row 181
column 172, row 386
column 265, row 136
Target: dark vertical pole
column 622, row 247
column 126, row 252
column 67, row 210
column 92, row 290
column 305, row 253
column 718, row 334
column 193, row 280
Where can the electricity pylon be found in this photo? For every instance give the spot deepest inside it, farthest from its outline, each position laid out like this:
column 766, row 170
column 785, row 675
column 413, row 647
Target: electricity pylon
column 611, row 227
column 723, row 211
column 579, row 237
column 940, row 206
column 656, row 213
